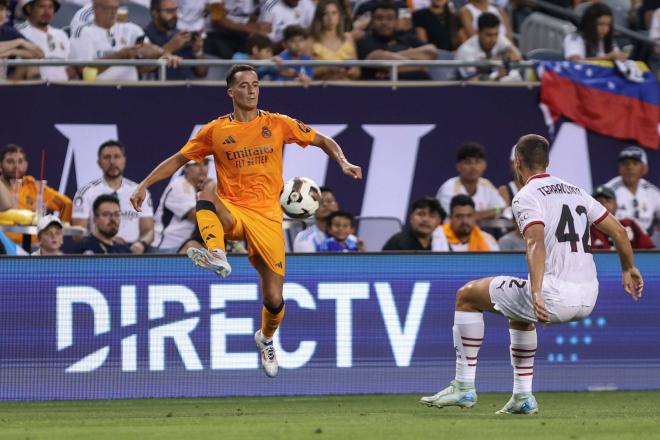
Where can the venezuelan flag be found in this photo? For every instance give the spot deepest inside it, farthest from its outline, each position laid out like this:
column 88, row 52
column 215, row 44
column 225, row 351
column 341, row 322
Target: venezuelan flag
column 598, row 97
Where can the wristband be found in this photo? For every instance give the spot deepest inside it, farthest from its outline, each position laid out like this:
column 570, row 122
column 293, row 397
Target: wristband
column 498, row 211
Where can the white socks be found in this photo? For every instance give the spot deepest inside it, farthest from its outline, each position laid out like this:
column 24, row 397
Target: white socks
column 523, row 349
column 468, row 331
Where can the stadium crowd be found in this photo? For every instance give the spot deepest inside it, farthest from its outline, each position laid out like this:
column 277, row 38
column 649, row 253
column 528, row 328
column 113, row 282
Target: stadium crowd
column 277, row 30
column 469, row 213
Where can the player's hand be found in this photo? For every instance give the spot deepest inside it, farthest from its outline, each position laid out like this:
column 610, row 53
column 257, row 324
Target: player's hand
column 633, row 283
column 352, row 170
column 539, row 308
column 138, row 197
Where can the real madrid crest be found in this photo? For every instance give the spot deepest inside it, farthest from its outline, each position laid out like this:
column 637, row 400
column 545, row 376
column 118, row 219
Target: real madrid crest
column 265, row 132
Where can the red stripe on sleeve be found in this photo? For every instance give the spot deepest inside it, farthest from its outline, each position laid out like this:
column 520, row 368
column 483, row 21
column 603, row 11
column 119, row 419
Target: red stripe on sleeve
column 535, row 222
column 602, row 217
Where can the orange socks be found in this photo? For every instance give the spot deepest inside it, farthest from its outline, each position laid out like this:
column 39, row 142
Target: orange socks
column 209, row 225
column 270, row 320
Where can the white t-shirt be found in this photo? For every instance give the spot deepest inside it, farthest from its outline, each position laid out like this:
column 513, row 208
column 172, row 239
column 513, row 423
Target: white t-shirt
column 471, row 51
column 82, row 17
column 486, row 196
column 574, row 46
column 191, row 15
column 439, row 241
column 567, row 212
column 644, row 206
column 311, row 239
column 280, row 16
column 55, row 44
column 172, row 228
column 463, row 247
column 92, row 42
column 129, row 227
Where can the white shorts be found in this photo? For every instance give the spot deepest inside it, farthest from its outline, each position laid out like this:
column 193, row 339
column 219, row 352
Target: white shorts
column 565, row 301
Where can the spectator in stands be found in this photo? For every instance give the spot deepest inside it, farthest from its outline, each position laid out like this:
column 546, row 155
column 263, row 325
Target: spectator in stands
column 51, row 238
column 645, row 13
column 471, row 165
column 108, row 38
column 259, row 47
column 332, row 42
column 13, row 44
column 53, row 42
column 283, row 13
column 162, row 31
column 384, row 43
column 488, row 44
column 472, row 10
column 510, row 189
column 229, row 24
column 296, row 47
column 366, row 9
column 636, row 197
column 437, row 25
column 191, row 15
column 136, row 229
column 423, row 232
column 14, row 164
column 107, row 220
column 175, row 216
column 82, row 17
column 462, row 231
column 310, row 239
column 5, row 197
column 341, row 227
column 639, row 239
column 594, row 39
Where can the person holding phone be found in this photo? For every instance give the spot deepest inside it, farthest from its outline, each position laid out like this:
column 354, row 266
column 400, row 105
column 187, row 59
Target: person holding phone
column 162, row 31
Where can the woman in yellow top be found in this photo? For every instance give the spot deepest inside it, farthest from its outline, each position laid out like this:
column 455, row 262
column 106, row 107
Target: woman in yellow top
column 331, row 42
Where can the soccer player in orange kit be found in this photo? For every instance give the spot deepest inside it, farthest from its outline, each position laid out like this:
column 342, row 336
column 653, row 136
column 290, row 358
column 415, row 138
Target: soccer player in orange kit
column 247, row 148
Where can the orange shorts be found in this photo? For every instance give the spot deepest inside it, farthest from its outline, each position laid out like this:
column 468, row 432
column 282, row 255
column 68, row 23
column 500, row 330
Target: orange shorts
column 264, row 236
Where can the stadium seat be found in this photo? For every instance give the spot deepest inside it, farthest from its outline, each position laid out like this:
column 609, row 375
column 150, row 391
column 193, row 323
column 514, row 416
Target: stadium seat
column 444, row 74
column 64, row 15
column 215, row 73
column 375, row 231
column 542, row 31
column 291, row 228
column 545, row 55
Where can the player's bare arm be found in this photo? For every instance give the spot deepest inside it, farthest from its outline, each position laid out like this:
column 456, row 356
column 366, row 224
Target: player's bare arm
column 633, row 283
column 536, row 264
column 334, row 151
column 164, row 170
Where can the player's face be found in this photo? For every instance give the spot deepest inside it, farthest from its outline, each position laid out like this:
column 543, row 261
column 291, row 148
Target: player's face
column 107, row 218
column 423, row 222
column 12, row 162
column 631, row 170
column 609, row 204
column 105, row 12
column 462, row 220
column 488, row 38
column 340, row 228
column 383, row 22
column 51, row 239
column 112, row 162
column 330, row 17
column 245, row 90
column 327, row 205
column 471, row 169
column 42, row 12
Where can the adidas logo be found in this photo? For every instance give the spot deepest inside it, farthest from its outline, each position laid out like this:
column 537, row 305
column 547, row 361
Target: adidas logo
column 229, row 140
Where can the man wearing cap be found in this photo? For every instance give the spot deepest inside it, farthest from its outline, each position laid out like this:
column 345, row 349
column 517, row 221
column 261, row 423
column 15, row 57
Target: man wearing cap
column 175, row 216
column 51, row 238
column 52, row 41
column 636, row 197
column 639, row 239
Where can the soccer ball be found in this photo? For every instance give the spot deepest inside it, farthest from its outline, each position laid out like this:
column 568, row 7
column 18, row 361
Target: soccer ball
column 300, row 197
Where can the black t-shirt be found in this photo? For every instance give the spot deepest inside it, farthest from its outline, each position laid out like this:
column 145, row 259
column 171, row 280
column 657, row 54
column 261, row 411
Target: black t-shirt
column 437, row 27
column 160, row 38
column 8, row 33
column 394, row 43
column 92, row 245
column 404, row 241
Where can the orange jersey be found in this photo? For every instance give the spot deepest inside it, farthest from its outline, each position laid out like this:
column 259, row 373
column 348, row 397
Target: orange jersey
column 248, row 157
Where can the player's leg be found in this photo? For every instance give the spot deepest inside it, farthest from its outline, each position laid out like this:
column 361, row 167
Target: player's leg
column 468, row 333
column 213, row 219
column 522, row 350
column 272, row 313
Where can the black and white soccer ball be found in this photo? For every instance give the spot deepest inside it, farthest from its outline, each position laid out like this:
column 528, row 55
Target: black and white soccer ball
column 300, row 197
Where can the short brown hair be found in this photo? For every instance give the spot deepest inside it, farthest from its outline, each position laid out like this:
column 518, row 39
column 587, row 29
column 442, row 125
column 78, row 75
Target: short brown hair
column 534, row 151
column 235, row 69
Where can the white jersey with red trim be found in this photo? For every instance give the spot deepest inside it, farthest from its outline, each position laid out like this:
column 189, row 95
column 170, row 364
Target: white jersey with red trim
column 567, row 212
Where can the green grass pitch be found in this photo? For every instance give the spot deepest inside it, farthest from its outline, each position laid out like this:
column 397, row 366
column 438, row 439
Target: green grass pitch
column 605, row 415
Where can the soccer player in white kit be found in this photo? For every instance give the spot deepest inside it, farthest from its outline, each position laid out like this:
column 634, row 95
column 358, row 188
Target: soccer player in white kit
column 554, row 218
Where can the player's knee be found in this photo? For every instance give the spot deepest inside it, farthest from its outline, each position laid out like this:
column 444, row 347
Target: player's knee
column 465, row 297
